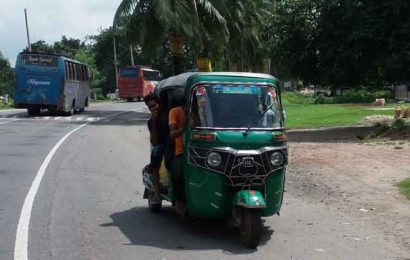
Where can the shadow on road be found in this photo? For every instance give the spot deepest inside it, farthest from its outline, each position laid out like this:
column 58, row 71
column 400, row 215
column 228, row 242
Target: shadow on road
column 166, row 231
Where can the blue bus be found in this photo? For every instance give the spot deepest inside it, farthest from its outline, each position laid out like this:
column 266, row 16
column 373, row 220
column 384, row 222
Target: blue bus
column 52, row 82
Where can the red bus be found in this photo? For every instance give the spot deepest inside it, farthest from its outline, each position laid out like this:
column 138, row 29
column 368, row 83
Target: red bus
column 136, row 82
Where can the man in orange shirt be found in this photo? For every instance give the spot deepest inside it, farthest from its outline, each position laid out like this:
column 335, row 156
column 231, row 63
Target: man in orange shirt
column 176, row 123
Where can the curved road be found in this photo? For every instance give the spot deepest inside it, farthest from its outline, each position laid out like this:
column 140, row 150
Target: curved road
column 89, row 202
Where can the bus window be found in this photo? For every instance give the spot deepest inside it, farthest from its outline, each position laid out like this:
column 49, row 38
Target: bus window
column 83, row 73
column 75, row 76
column 67, row 75
column 129, row 72
column 151, row 75
column 80, row 70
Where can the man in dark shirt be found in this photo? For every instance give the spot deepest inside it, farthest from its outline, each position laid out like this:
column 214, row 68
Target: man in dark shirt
column 158, row 128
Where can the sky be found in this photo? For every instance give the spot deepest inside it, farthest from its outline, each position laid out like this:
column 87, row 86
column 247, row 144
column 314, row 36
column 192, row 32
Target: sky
column 49, row 20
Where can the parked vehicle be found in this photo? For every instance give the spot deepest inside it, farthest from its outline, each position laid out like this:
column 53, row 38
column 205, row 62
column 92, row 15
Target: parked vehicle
column 235, row 151
column 53, row 82
column 136, row 82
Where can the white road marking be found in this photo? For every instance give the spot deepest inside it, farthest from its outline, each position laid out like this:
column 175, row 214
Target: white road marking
column 7, row 122
column 21, row 243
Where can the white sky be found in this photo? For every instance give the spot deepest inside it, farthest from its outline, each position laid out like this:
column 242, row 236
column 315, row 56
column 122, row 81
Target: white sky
column 49, row 20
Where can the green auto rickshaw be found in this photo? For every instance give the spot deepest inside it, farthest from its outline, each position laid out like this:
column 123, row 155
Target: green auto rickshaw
column 235, row 151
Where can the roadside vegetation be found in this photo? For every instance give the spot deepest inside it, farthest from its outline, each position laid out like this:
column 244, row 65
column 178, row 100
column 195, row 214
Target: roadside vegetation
column 399, row 129
column 405, row 187
column 6, row 106
column 303, row 112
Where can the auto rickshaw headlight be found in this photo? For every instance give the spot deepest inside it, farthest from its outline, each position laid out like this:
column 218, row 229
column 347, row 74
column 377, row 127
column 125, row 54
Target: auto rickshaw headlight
column 277, row 159
column 213, row 159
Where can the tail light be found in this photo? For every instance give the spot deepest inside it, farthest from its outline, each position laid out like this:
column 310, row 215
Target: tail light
column 279, row 137
column 203, row 137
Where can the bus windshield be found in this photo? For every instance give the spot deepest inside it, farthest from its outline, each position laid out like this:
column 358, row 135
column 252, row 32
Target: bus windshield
column 235, row 106
column 39, row 60
column 129, row 72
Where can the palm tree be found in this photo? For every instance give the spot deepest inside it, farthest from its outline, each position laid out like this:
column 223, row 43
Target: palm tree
column 150, row 23
column 247, row 26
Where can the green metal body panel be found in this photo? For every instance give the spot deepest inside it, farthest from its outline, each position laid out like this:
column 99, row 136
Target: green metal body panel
column 249, row 199
column 209, row 194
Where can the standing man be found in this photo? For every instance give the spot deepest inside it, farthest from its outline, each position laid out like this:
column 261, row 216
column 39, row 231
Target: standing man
column 176, row 123
column 158, row 128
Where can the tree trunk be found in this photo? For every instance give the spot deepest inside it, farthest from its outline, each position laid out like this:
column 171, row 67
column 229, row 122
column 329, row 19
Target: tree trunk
column 177, row 54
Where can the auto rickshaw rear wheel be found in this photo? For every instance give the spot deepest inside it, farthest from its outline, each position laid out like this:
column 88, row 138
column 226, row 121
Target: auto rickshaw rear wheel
column 155, row 207
column 251, row 227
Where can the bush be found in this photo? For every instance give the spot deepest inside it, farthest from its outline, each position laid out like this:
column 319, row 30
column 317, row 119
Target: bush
column 298, row 98
column 96, row 94
column 8, row 105
column 399, row 124
column 352, row 96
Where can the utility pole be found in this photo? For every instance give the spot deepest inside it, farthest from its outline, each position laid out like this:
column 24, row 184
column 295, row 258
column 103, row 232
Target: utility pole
column 28, row 34
column 132, row 56
column 115, row 64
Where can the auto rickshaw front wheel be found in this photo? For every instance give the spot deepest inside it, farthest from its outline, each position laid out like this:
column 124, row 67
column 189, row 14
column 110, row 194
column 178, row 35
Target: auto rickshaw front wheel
column 154, row 206
column 250, row 227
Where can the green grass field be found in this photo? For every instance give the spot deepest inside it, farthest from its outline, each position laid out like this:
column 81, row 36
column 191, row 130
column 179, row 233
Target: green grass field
column 311, row 116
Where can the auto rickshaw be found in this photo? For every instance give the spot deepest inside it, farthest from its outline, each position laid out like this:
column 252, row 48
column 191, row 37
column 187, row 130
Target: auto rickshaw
column 235, row 151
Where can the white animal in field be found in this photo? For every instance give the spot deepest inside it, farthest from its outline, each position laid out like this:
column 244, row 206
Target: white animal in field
column 402, row 112
column 380, row 102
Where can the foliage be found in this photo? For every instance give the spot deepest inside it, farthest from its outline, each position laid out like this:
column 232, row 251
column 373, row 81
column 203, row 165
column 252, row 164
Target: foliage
column 149, row 23
column 342, row 42
column 352, row 96
column 298, row 98
column 398, row 129
column 293, row 40
column 9, row 105
column 6, row 76
column 85, row 55
column 399, row 124
column 405, row 187
column 97, row 94
column 248, row 24
column 65, row 46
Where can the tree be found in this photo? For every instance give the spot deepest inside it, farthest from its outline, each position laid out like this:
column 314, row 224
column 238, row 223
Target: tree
column 6, row 76
column 149, row 23
column 85, row 55
column 293, row 40
column 247, row 24
column 65, row 46
column 40, row 46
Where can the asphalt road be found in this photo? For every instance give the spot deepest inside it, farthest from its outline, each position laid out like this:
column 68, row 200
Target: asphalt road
column 89, row 202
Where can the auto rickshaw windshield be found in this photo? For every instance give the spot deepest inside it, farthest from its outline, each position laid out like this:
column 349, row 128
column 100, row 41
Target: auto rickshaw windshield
column 235, row 106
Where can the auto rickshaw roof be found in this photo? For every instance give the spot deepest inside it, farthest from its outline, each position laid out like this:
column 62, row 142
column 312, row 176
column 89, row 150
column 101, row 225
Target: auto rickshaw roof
column 181, row 80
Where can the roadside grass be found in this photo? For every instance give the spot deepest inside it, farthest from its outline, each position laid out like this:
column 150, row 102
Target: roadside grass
column 399, row 129
column 311, row 116
column 8, row 106
column 405, row 187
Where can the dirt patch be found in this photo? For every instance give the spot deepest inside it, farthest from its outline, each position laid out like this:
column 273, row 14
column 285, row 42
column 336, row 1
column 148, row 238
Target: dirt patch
column 377, row 119
column 353, row 177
